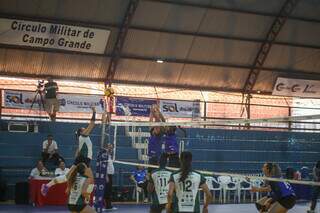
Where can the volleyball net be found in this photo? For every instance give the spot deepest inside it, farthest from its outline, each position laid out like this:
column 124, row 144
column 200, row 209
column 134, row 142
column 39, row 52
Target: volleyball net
column 220, row 152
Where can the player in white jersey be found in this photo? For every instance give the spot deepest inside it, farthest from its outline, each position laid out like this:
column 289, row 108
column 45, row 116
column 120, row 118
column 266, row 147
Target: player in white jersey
column 83, row 154
column 77, row 190
column 184, row 188
column 159, row 185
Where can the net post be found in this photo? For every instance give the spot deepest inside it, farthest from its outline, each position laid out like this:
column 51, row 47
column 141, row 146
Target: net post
column 115, row 141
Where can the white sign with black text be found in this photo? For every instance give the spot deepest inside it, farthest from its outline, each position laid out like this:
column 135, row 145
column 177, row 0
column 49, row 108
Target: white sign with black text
column 53, row 36
column 180, row 109
column 297, row 87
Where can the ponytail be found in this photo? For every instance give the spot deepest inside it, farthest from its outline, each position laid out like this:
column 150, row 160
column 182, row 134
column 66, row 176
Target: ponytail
column 185, row 160
column 80, row 168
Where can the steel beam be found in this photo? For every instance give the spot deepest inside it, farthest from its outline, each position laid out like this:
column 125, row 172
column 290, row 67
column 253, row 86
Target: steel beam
column 265, row 47
column 116, row 53
column 264, row 50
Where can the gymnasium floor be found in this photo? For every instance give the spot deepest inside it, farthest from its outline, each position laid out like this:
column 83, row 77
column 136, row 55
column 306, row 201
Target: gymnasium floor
column 227, row 208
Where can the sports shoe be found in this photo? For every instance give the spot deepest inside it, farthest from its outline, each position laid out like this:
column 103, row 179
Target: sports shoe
column 44, row 189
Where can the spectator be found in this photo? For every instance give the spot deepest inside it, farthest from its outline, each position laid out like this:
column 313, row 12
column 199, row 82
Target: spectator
column 51, row 101
column 61, row 170
column 305, row 173
column 139, row 177
column 50, row 151
column 40, row 170
column 316, row 189
column 110, row 173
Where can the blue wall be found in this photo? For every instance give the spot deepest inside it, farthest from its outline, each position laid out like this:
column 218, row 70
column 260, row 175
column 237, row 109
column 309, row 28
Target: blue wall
column 218, row 150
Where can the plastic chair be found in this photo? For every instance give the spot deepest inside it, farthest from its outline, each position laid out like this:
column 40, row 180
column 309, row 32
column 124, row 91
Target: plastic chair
column 228, row 186
column 256, row 183
column 216, row 186
column 136, row 193
column 244, row 186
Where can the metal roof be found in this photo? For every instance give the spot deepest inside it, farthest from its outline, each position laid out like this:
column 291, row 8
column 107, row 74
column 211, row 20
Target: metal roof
column 205, row 44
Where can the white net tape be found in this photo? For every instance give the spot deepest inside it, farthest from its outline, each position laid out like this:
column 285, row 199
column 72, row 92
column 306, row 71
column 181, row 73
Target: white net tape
column 219, row 122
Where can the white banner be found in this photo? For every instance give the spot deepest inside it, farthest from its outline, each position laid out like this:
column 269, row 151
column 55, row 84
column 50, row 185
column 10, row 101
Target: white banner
column 180, row 109
column 68, row 102
column 297, row 87
column 53, row 36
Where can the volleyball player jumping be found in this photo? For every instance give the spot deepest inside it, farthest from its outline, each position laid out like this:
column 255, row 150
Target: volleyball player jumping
column 83, row 155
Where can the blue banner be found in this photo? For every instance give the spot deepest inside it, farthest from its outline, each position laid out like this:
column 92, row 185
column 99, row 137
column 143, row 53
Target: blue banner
column 133, row 106
column 100, row 180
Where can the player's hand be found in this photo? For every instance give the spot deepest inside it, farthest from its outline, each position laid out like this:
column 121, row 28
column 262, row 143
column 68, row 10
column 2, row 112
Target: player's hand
column 93, row 109
column 205, row 210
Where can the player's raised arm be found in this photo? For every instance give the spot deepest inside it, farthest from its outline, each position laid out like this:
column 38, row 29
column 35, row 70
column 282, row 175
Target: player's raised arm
column 90, row 127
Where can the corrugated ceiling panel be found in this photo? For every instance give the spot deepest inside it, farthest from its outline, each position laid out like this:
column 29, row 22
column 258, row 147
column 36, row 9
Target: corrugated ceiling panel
column 293, row 58
column 17, row 61
column 270, row 6
column 148, row 71
column 235, row 24
column 143, row 43
column 167, row 16
column 23, row 7
column 100, row 11
column 110, row 11
column 223, row 51
column 211, row 76
column 265, row 81
column 165, row 73
column 132, row 70
column 3, row 56
column 75, row 66
column 300, row 32
column 308, row 9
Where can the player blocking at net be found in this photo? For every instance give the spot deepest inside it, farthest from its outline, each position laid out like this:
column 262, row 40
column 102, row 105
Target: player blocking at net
column 183, row 194
column 83, row 155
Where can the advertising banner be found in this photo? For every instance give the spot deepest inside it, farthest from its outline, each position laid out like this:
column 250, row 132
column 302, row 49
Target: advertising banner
column 180, row 109
column 68, row 102
column 126, row 106
column 297, row 87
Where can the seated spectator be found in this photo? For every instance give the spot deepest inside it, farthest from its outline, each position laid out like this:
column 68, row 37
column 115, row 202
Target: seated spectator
column 305, row 173
column 61, row 170
column 40, row 170
column 139, row 177
column 50, row 151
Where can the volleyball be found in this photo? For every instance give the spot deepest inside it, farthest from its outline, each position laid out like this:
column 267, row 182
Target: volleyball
column 109, row 92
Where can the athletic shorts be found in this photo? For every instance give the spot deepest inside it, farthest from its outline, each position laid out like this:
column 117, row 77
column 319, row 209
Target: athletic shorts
column 288, row 202
column 157, row 208
column 82, row 159
column 76, row 208
column 48, row 103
